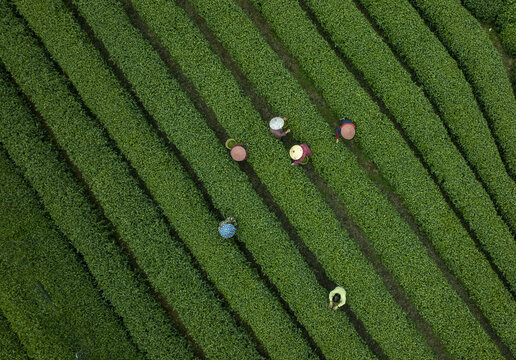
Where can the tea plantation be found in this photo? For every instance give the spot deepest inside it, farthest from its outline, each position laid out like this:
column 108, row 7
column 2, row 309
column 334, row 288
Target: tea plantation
column 114, row 177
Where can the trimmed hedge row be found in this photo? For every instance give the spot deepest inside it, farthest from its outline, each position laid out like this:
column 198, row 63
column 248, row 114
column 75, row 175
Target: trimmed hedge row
column 506, row 25
column 270, row 78
column 228, row 187
column 46, row 293
column 354, row 36
column 480, row 61
column 484, row 10
column 137, row 220
column 384, row 145
column 301, row 203
column 175, row 193
column 10, row 346
column 446, row 86
column 66, row 201
column 408, row 259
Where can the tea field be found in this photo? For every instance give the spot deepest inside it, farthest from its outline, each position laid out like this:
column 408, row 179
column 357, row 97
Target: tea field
column 114, row 178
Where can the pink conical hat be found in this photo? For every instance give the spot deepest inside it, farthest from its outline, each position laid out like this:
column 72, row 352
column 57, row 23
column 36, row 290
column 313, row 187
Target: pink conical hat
column 347, row 131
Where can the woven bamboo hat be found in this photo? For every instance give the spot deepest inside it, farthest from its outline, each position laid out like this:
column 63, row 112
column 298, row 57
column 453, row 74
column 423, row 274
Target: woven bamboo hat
column 296, row 152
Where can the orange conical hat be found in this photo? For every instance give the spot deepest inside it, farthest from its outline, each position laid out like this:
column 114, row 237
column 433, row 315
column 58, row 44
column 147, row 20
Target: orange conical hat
column 347, row 131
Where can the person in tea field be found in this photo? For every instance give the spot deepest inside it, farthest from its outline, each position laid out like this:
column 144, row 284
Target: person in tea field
column 300, row 154
column 276, row 127
column 337, row 298
column 228, row 227
column 346, row 130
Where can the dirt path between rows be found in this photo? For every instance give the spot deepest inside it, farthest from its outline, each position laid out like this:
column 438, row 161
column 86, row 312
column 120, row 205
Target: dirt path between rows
column 131, row 258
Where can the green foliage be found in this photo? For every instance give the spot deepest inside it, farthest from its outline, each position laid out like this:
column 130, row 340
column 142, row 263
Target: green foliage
column 361, row 197
column 137, row 220
column 386, row 147
column 45, row 292
column 452, row 95
column 469, row 44
column 271, row 79
column 228, row 187
column 301, row 203
column 506, row 24
column 68, row 205
column 484, row 10
column 224, row 264
column 10, row 346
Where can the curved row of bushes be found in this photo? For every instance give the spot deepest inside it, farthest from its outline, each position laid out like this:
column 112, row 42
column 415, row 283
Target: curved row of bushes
column 262, row 67
column 229, row 188
column 362, row 198
column 384, row 145
column 506, row 25
column 10, row 345
column 66, row 201
column 484, row 10
column 354, row 36
column 480, row 61
column 47, row 294
column 167, row 181
column 135, row 217
column 291, row 190
column 447, row 87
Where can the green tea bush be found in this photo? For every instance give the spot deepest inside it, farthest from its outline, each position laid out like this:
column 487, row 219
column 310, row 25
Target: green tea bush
column 484, row 10
column 169, row 184
column 271, row 79
column 506, row 25
column 386, row 147
column 47, row 294
column 291, row 190
column 10, row 346
column 135, row 217
column 227, row 186
column 66, row 201
column 469, row 44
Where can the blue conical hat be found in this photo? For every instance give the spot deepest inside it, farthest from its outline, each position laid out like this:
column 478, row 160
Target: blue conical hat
column 227, row 231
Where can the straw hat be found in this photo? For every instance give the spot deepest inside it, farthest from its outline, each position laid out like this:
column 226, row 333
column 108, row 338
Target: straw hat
column 276, row 123
column 296, row 152
column 347, row 131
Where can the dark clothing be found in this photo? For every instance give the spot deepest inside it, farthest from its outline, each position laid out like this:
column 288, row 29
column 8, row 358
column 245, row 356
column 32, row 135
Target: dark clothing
column 278, row 133
column 344, row 121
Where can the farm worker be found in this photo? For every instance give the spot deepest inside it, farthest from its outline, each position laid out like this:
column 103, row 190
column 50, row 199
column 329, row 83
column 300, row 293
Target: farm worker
column 239, row 152
column 346, row 129
column 337, row 298
column 299, row 153
column 227, row 228
column 276, row 127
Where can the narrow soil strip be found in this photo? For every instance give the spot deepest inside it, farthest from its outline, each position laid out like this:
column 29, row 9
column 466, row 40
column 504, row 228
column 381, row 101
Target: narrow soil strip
column 127, row 250
column 480, row 106
column 264, row 110
column 416, row 152
column 332, row 200
column 221, row 134
column 454, row 282
column 436, row 111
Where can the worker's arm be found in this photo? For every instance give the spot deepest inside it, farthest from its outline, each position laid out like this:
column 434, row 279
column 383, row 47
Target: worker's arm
column 337, row 130
column 297, row 162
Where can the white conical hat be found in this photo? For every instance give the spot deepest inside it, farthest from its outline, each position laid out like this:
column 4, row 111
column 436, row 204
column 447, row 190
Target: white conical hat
column 276, row 123
column 296, row 152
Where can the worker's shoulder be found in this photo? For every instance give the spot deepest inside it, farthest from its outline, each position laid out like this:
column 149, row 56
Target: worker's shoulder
column 339, row 289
